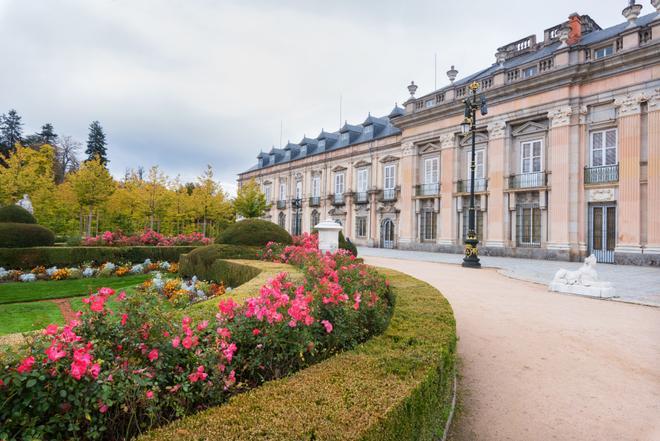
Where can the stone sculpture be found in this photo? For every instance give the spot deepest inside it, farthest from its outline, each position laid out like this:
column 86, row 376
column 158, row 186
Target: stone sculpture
column 584, row 281
column 26, row 203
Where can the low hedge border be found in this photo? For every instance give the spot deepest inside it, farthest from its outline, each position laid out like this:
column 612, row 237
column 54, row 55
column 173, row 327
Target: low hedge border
column 28, row 258
column 396, row 386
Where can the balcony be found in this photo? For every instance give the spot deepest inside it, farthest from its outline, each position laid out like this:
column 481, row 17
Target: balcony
column 527, row 180
column 602, row 174
column 427, row 189
column 337, row 199
column 464, row 186
column 281, row 204
column 388, row 195
column 361, row 197
column 315, row 201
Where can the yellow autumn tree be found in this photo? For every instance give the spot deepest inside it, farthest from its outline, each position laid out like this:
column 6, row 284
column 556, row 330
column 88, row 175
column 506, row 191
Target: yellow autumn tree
column 250, row 200
column 210, row 202
column 93, row 185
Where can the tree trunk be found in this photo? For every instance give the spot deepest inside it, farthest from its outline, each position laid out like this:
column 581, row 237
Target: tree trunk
column 89, row 222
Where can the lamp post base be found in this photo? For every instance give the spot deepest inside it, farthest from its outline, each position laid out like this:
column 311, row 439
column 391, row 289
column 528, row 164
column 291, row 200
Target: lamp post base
column 471, row 259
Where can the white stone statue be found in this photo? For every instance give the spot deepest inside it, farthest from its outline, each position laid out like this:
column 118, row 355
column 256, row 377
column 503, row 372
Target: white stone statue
column 584, row 281
column 26, row 203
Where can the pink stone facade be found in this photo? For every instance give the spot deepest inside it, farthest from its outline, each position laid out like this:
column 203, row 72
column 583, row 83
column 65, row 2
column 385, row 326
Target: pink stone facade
column 568, row 158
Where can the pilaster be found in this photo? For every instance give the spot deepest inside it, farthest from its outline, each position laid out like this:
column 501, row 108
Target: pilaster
column 558, row 164
column 653, row 194
column 447, row 153
column 495, row 165
column 406, row 173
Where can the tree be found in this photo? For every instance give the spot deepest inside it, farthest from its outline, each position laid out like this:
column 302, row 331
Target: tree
column 154, row 193
column 92, row 185
column 96, row 143
column 11, row 131
column 209, row 201
column 66, row 159
column 48, row 135
column 250, row 201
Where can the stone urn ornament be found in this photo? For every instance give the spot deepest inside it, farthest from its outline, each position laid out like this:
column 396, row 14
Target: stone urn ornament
column 26, row 203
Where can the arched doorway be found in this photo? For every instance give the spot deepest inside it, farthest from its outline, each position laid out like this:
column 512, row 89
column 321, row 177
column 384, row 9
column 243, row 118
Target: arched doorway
column 387, row 234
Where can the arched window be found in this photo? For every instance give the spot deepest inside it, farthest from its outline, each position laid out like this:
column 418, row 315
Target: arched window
column 316, row 218
column 281, row 220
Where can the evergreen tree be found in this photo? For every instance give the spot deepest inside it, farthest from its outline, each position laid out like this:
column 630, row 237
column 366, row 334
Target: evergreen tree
column 48, row 135
column 96, row 143
column 10, row 131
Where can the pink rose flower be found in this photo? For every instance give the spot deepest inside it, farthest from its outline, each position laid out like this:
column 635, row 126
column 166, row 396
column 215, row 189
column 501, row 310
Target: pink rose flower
column 124, row 317
column 150, row 395
column 55, row 352
column 26, row 365
column 51, row 330
column 255, row 331
column 153, row 355
column 176, row 341
column 327, row 325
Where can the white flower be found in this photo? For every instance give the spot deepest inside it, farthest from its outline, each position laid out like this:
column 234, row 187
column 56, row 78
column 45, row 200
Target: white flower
column 165, row 266
column 3, row 273
column 137, row 269
column 147, row 262
column 109, row 266
column 51, row 270
column 158, row 281
column 89, row 272
column 28, row 277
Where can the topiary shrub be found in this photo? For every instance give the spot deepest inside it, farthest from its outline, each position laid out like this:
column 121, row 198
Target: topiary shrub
column 344, row 244
column 199, row 262
column 17, row 215
column 255, row 232
column 17, row 235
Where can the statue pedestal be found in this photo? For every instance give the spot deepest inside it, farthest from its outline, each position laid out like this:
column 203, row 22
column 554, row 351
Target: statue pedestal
column 591, row 291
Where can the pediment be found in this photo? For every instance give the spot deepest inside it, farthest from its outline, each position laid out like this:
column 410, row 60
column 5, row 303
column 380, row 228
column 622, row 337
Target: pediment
column 528, row 128
column 480, row 138
column 428, row 147
column 361, row 164
column 389, row 158
column 338, row 168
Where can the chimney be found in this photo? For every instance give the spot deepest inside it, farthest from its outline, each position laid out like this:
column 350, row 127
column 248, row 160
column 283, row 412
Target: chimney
column 575, row 26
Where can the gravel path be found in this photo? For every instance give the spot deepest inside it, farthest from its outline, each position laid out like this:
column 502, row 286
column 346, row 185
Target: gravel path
column 541, row 366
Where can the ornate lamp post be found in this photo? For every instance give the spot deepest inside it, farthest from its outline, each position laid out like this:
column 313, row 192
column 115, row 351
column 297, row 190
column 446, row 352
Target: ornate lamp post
column 469, row 125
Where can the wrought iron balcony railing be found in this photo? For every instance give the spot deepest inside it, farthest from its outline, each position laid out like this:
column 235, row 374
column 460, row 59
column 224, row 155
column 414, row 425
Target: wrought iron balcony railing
column 338, row 199
column 361, row 197
column 315, row 201
column 281, row 204
column 464, row 186
column 428, row 189
column 528, row 180
column 602, row 174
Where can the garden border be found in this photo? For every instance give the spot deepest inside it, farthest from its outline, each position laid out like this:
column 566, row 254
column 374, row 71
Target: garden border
column 412, row 365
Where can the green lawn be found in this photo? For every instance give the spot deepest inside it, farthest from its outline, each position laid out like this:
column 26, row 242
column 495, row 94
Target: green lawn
column 24, row 317
column 51, row 289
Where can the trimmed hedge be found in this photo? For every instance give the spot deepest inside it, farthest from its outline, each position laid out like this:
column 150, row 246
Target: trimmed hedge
column 396, row 386
column 16, row 214
column 200, row 262
column 254, row 232
column 27, row 258
column 15, row 235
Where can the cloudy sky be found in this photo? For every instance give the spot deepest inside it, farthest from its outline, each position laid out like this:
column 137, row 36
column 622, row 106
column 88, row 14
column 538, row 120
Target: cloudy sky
column 185, row 83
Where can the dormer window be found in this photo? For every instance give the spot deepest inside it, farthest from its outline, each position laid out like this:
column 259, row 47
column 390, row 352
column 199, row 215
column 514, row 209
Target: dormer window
column 529, row 72
column 322, row 144
column 603, row 52
column 368, row 130
column 345, row 137
column 429, row 103
column 303, row 150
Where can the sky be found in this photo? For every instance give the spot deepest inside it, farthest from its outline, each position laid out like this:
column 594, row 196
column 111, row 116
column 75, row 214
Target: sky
column 187, row 83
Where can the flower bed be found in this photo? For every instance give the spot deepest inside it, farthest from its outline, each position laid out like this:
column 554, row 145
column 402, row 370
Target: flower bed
column 113, row 375
column 107, row 269
column 149, row 237
column 182, row 293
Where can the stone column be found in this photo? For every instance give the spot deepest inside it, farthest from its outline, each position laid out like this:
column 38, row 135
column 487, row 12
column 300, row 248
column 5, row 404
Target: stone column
column 495, row 165
column 583, row 160
column 348, row 188
column 628, row 204
column 447, row 152
column 406, row 174
column 653, row 206
column 558, row 163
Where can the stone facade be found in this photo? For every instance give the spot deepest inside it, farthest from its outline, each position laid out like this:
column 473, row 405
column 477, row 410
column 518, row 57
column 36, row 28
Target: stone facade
column 568, row 157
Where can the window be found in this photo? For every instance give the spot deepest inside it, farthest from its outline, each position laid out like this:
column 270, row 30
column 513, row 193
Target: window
column 529, row 72
column 322, row 144
column 361, row 226
column 479, row 164
column 298, row 189
column 530, row 153
column 529, row 225
column 281, row 220
column 345, row 137
column 603, row 148
column 316, row 186
column 389, row 182
column 282, row 191
column 339, row 184
column 368, row 130
column 431, row 171
column 603, row 52
column 429, row 103
column 303, row 150
column 427, row 225
column 315, row 218
column 268, row 193
column 362, row 180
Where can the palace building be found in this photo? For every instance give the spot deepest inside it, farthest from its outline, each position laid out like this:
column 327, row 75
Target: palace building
column 567, row 159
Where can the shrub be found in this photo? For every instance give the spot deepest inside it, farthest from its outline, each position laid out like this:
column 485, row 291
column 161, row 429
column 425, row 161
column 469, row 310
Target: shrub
column 17, row 215
column 200, row 261
column 15, row 235
column 346, row 245
column 27, row 258
column 149, row 237
column 255, row 232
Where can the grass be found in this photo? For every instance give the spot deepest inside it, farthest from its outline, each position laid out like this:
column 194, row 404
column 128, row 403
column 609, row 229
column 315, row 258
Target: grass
column 15, row 292
column 25, row 317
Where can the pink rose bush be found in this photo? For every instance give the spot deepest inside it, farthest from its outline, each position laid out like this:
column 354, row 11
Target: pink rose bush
column 112, row 374
column 149, row 237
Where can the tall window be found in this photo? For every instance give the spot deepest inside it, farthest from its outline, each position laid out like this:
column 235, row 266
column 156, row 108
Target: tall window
column 529, row 225
column 603, row 148
column 362, row 176
column 316, row 186
column 339, row 183
column 389, row 183
column 282, row 191
column 427, row 225
column 298, row 189
column 431, row 171
column 531, row 156
column 281, row 220
column 268, row 193
column 316, row 218
column 361, row 226
column 479, row 164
